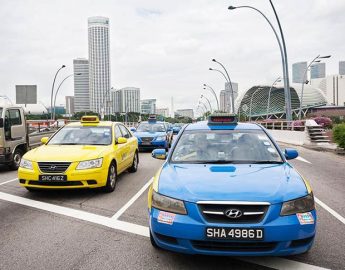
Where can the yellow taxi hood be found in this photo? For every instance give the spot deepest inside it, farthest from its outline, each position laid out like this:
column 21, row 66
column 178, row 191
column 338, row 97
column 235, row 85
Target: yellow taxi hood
column 65, row 152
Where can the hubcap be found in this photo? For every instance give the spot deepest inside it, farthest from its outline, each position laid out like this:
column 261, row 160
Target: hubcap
column 112, row 175
column 135, row 162
column 16, row 159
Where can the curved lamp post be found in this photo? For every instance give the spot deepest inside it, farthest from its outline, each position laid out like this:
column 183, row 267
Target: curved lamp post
column 52, row 93
column 214, row 69
column 213, row 92
column 209, row 103
column 200, row 102
column 57, row 91
column 315, row 60
column 283, row 54
column 229, row 81
column 269, row 95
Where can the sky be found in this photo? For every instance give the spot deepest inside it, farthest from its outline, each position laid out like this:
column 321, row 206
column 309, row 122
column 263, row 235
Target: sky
column 165, row 47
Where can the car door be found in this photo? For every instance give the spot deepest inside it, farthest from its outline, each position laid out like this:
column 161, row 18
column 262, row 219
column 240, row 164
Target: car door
column 129, row 149
column 120, row 150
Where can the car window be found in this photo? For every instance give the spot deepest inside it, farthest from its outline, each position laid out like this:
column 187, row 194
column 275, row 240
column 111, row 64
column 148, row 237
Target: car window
column 226, row 146
column 83, row 135
column 146, row 127
column 118, row 132
column 15, row 118
column 126, row 134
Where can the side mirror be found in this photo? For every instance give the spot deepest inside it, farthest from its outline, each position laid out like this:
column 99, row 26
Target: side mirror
column 159, row 154
column 121, row 140
column 44, row 140
column 133, row 129
column 290, row 153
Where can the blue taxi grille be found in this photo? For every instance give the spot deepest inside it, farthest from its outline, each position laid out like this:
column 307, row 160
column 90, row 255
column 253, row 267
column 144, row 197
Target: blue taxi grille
column 217, row 213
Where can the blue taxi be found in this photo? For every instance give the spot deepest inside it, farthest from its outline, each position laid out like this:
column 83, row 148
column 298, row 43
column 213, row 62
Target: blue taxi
column 226, row 188
column 153, row 134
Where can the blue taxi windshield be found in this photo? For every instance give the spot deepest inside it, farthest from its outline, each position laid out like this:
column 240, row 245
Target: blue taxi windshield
column 155, row 127
column 225, row 146
column 83, row 135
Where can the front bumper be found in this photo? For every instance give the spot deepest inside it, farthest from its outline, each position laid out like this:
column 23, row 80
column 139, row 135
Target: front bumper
column 89, row 178
column 282, row 236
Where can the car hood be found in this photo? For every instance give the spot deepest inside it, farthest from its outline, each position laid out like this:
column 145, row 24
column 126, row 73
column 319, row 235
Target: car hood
column 149, row 134
column 272, row 183
column 65, row 153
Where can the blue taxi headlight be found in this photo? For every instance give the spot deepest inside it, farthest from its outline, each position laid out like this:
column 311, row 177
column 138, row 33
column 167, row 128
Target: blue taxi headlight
column 300, row 205
column 160, row 138
column 168, row 204
column 89, row 164
column 26, row 164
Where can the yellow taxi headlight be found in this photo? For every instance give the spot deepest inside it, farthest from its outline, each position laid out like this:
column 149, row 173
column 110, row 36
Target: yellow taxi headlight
column 89, row 164
column 26, row 164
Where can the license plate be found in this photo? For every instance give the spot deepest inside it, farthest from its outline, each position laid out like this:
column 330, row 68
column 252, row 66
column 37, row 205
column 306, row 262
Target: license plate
column 146, row 143
column 234, row 233
column 50, row 178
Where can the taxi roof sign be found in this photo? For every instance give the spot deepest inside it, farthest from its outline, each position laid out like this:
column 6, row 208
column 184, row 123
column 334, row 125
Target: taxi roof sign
column 222, row 118
column 152, row 118
column 90, row 119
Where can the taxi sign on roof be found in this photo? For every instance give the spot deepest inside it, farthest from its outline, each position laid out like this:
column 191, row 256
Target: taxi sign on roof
column 152, row 118
column 222, row 118
column 90, row 119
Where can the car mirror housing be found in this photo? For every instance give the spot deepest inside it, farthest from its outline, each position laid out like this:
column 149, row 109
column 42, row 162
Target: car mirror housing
column 44, row 140
column 290, row 153
column 121, row 140
column 159, row 154
column 133, row 129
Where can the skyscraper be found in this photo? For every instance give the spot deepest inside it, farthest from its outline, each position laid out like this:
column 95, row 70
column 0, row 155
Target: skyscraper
column 228, row 95
column 81, row 85
column 148, row 106
column 341, row 67
column 222, row 101
column 69, row 105
column 318, row 70
column 99, row 62
column 126, row 100
column 298, row 70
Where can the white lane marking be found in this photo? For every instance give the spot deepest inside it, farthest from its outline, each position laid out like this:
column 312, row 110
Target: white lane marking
column 303, row 159
column 280, row 263
column 3, row 183
column 272, row 262
column 330, row 210
column 78, row 214
column 132, row 200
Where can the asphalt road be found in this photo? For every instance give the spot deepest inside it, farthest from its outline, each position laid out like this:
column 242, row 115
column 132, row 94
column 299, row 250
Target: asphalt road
column 75, row 229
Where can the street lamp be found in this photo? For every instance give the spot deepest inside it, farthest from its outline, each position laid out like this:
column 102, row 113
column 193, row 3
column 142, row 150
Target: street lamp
column 51, row 96
column 251, row 101
column 229, row 81
column 209, row 103
column 315, row 60
column 214, row 69
column 57, row 90
column 283, row 54
column 213, row 92
column 269, row 95
column 200, row 102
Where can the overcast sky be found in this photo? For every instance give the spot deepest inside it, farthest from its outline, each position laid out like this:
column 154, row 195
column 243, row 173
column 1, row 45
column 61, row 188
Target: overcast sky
column 165, row 47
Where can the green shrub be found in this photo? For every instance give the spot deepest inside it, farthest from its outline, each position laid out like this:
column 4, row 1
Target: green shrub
column 339, row 135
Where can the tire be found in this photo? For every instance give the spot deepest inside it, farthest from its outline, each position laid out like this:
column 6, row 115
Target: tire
column 17, row 157
column 135, row 163
column 111, row 179
column 153, row 242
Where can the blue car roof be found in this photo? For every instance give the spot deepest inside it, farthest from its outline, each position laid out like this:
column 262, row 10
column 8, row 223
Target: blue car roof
column 152, row 122
column 202, row 125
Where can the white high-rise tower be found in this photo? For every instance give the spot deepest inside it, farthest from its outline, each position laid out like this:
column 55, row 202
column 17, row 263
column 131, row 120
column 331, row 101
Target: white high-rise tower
column 99, row 63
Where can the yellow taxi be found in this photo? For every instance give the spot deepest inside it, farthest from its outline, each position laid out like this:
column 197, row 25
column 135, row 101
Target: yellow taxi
column 85, row 154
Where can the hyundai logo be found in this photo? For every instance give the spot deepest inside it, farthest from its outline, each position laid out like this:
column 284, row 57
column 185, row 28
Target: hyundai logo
column 53, row 167
column 233, row 213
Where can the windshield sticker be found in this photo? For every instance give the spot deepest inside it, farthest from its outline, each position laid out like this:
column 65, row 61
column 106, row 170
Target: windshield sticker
column 166, row 217
column 271, row 150
column 266, row 143
column 262, row 137
column 305, row 218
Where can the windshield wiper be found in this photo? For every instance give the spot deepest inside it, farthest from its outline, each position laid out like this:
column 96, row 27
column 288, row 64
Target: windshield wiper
column 220, row 161
column 266, row 162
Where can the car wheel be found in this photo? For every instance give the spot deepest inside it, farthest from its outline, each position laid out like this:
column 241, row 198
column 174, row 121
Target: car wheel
column 112, row 177
column 135, row 163
column 17, row 157
column 152, row 240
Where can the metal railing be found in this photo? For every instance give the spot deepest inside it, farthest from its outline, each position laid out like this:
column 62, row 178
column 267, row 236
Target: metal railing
column 283, row 125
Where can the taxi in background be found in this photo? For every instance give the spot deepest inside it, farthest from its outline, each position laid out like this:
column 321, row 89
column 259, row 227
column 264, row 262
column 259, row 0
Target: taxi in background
column 226, row 188
column 85, row 154
column 153, row 134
